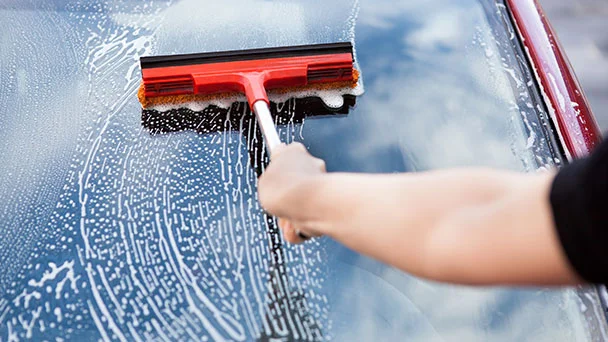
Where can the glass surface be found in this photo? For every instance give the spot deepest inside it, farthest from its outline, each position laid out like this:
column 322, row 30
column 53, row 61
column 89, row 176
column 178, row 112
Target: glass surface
column 110, row 232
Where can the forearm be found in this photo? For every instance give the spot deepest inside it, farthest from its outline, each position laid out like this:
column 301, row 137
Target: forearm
column 464, row 226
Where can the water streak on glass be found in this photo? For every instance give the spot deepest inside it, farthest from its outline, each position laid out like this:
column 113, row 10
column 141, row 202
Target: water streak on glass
column 123, row 225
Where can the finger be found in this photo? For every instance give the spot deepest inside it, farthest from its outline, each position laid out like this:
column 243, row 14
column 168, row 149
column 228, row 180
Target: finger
column 282, row 223
column 302, row 236
column 321, row 165
column 301, row 233
column 304, row 233
column 289, row 232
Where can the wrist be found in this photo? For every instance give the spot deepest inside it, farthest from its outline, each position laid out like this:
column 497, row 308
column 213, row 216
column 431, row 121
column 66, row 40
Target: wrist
column 314, row 204
column 332, row 203
column 305, row 199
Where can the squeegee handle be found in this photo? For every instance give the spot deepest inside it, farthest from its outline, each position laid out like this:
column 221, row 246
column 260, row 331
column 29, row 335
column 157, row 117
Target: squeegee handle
column 269, row 130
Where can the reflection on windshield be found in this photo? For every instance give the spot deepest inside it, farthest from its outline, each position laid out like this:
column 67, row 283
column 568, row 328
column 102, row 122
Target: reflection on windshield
column 115, row 230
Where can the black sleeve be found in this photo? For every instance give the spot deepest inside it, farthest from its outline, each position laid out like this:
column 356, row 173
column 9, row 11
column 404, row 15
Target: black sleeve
column 579, row 199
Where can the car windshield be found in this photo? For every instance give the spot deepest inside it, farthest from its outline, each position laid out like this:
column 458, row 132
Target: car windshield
column 112, row 232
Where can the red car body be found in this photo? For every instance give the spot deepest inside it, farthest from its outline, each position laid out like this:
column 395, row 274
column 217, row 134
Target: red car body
column 576, row 125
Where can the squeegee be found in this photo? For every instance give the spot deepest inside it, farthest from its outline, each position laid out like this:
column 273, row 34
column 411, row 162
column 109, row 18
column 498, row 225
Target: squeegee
column 195, row 77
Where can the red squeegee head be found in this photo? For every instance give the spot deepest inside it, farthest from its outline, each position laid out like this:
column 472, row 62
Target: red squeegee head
column 251, row 72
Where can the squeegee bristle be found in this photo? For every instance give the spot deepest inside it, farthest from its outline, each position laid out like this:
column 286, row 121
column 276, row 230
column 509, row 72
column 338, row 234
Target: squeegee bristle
column 177, row 100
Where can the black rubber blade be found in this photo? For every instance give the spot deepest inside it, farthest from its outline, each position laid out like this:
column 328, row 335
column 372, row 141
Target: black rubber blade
column 245, row 55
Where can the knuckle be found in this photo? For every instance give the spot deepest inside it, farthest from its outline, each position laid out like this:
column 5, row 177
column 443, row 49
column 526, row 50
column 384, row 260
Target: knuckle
column 321, row 165
column 262, row 183
column 268, row 203
column 298, row 146
column 263, row 199
column 263, row 193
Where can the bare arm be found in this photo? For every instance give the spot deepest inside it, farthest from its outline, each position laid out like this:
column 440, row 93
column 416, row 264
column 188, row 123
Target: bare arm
column 468, row 226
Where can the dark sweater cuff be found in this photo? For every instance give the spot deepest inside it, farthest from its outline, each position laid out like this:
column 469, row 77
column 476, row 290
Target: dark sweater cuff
column 570, row 216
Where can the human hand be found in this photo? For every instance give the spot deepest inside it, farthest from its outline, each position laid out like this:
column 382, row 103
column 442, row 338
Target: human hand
column 286, row 185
